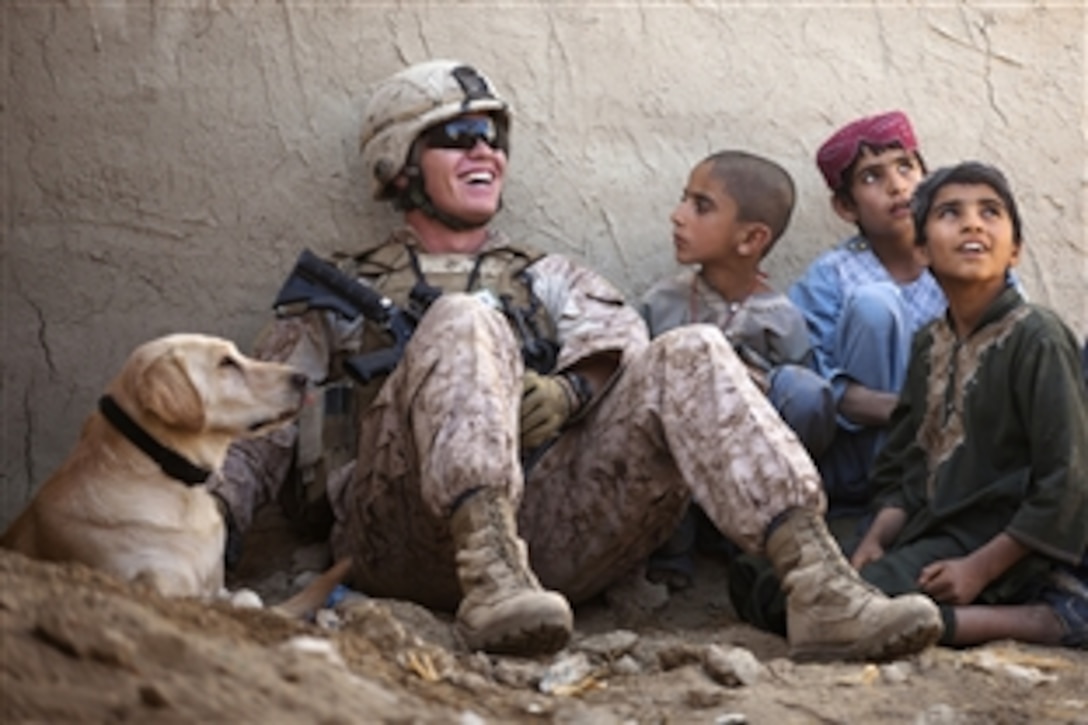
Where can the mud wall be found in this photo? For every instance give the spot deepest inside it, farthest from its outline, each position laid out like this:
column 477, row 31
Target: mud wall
column 164, row 162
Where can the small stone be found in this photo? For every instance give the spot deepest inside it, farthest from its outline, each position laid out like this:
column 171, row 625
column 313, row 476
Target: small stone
column 609, row 645
column 567, row 671
column 896, row 673
column 733, row 666
column 731, row 718
column 317, row 646
column 246, row 599
column 626, row 666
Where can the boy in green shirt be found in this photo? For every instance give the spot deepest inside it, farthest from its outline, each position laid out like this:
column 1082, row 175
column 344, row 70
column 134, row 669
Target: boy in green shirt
column 983, row 482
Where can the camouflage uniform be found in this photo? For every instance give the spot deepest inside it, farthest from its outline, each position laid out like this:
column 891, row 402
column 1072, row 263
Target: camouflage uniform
column 680, row 419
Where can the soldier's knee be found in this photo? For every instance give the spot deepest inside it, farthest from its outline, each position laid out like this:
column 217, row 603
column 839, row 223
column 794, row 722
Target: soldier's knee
column 460, row 313
column 691, row 341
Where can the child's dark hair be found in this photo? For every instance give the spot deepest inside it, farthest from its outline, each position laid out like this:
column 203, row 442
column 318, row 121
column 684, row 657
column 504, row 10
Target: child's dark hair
column 763, row 190
column 968, row 172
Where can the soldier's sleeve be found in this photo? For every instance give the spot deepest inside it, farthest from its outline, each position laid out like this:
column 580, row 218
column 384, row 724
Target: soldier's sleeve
column 256, row 468
column 590, row 314
column 303, row 341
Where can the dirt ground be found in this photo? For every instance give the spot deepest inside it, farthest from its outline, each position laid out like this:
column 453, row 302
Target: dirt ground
column 80, row 646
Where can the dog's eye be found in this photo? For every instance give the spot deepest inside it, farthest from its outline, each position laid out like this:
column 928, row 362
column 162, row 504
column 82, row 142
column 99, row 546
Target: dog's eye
column 228, row 362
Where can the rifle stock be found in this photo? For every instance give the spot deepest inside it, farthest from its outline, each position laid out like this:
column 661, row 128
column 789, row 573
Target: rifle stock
column 317, row 284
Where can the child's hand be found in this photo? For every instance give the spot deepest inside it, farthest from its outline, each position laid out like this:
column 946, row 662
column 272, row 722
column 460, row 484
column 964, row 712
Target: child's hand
column 868, row 550
column 951, row 581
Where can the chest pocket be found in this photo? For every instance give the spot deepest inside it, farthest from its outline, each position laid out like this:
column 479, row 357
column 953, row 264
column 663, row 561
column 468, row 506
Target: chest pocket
column 500, row 276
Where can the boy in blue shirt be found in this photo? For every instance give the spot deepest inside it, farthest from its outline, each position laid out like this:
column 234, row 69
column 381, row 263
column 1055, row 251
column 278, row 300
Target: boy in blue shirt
column 864, row 299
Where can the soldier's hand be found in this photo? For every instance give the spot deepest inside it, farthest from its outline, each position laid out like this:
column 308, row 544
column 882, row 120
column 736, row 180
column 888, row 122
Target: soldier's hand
column 546, row 404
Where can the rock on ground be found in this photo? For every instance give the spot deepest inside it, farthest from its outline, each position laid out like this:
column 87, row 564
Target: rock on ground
column 78, row 646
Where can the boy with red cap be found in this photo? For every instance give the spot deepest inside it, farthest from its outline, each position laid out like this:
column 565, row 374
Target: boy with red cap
column 864, row 299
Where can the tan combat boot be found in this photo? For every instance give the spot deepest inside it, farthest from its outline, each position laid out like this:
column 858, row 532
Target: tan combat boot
column 504, row 609
column 831, row 612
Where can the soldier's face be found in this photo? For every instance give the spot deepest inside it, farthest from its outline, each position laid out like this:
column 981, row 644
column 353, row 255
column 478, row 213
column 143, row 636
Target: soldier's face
column 465, row 182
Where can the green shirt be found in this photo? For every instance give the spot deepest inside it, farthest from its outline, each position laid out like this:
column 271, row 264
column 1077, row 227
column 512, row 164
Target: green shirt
column 991, row 434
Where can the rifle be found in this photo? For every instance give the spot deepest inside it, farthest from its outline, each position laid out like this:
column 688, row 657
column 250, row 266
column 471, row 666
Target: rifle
column 317, row 284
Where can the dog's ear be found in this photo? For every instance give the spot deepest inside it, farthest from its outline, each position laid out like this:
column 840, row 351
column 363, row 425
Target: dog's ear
column 164, row 389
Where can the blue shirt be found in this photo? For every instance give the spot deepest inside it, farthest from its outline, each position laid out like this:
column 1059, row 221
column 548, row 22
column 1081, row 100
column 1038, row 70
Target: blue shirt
column 823, row 289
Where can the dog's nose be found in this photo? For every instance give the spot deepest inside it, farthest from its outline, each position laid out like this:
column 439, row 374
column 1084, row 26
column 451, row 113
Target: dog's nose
column 299, row 381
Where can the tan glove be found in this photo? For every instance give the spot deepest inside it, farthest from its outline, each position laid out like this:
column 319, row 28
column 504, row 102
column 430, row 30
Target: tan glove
column 547, row 402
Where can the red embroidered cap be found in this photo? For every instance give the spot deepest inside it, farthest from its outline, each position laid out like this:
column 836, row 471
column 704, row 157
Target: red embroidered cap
column 839, row 151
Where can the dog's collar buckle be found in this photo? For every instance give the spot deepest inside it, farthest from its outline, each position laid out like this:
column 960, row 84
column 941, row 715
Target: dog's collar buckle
column 172, row 464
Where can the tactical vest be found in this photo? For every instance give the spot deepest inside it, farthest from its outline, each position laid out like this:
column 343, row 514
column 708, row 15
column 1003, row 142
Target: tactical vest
column 328, row 434
column 496, row 275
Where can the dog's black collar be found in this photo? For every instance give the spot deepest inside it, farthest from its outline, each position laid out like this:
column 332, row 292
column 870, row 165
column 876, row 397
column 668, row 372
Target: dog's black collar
column 171, row 463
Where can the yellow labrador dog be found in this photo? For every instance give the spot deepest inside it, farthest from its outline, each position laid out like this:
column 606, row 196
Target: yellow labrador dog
column 129, row 499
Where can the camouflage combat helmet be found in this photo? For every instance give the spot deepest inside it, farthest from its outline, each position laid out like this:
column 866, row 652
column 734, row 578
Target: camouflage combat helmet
column 413, row 100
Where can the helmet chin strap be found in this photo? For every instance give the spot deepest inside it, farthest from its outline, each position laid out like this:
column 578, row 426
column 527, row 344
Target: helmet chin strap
column 414, row 196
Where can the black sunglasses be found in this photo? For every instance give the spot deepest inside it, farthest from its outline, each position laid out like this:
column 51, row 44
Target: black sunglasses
column 465, row 132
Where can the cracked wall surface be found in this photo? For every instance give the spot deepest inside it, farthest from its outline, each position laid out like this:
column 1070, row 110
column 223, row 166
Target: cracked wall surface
column 164, row 162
